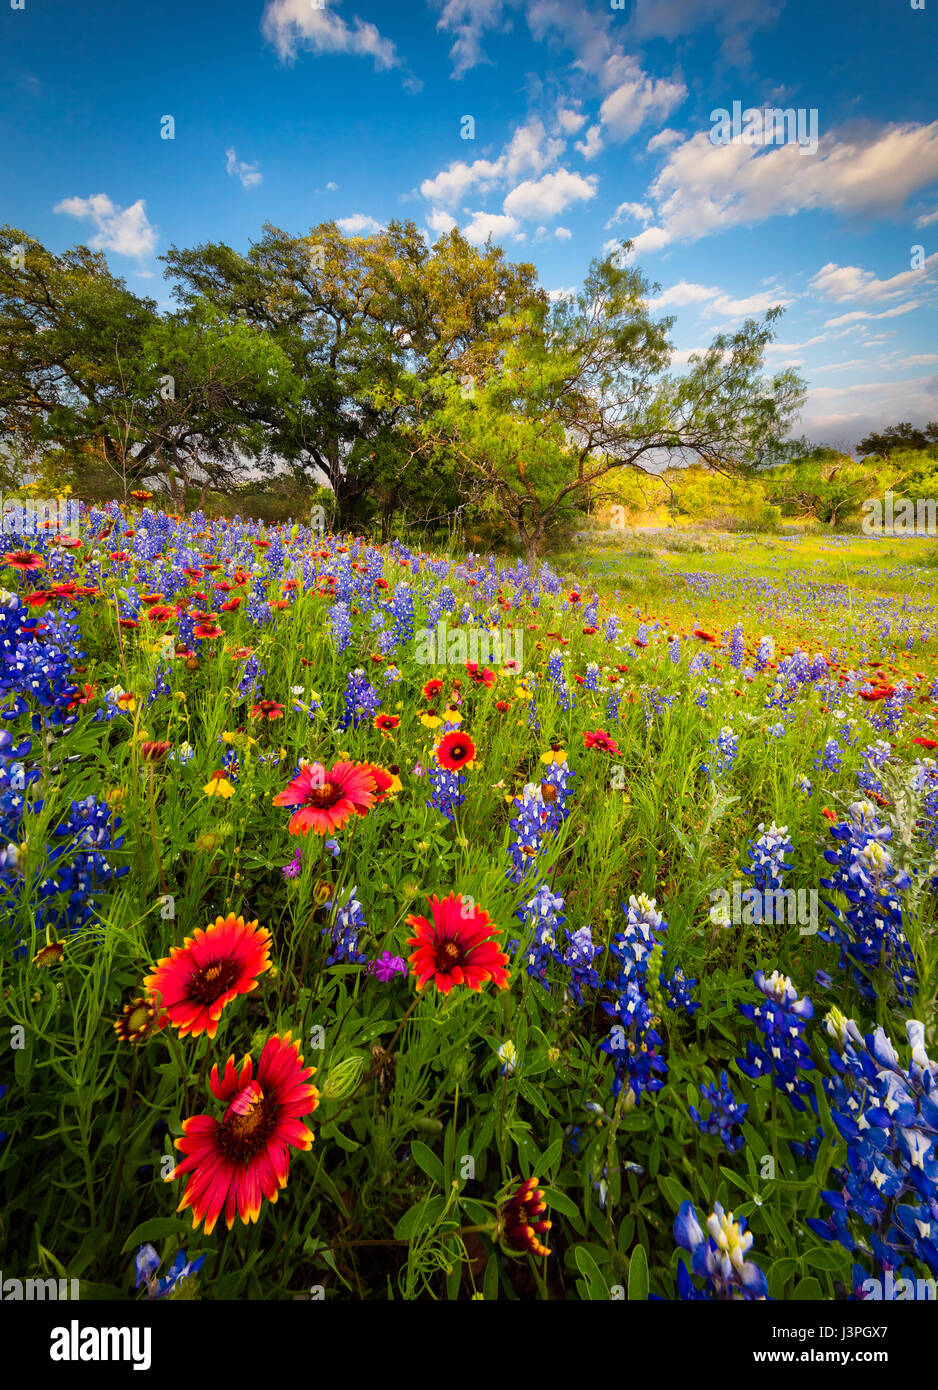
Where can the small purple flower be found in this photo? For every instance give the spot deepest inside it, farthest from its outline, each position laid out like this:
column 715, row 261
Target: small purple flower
column 295, row 866
column 385, row 967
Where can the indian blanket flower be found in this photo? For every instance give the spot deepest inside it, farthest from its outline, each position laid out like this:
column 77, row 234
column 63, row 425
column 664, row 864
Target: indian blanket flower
column 456, row 948
column 454, row 751
column 196, row 980
column 597, row 738
column 236, row 1161
column 521, row 1221
column 718, row 1256
column 138, row 1020
column 324, row 800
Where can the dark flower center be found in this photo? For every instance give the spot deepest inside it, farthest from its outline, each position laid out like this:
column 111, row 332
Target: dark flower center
column 211, row 981
column 321, row 798
column 248, row 1124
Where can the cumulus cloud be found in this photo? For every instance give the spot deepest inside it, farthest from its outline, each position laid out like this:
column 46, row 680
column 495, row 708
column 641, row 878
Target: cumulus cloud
column 294, row 24
column 530, row 150
column 440, row 222
column 683, row 293
column 126, row 231
column 249, row 174
column 857, row 314
column 359, row 224
column 570, row 122
column 851, row 282
column 663, row 140
column 850, row 412
column 592, row 145
column 550, row 195
column 634, row 97
column 468, row 20
column 635, row 212
column 489, row 224
column 704, row 188
column 563, row 233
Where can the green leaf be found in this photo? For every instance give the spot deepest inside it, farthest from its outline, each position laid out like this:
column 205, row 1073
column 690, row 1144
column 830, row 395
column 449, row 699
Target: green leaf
column 156, row 1229
column 808, row 1289
column 426, row 1159
column 638, row 1275
column 596, row 1284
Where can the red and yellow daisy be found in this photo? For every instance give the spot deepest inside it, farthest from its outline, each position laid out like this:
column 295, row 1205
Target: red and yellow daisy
column 267, row 709
column 520, row 1221
column 325, row 800
column 244, row 1156
column 598, row 739
column 24, row 561
column 386, row 724
column 196, row 980
column 454, row 751
column 456, row 949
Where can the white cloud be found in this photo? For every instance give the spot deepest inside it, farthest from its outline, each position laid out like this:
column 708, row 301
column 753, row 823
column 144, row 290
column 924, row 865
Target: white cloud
column 570, row 121
column 851, row 282
column 249, row 174
column 919, row 359
column 293, row 24
column 554, row 295
column 663, row 139
column 468, row 20
column 549, row 195
column 440, row 222
column 592, row 145
column 927, row 219
column 850, row 412
column 635, row 97
column 126, row 231
column 563, row 233
column 489, row 224
column 529, row 150
column 359, row 224
column 683, row 293
column 704, row 188
column 650, row 240
column 638, row 212
column 858, row 314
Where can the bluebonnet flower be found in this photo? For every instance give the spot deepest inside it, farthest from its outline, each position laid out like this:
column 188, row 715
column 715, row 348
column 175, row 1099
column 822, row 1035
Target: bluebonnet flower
column 726, row 1114
column 543, row 916
column 557, row 677
column 886, row 1199
column 719, row 1257
column 869, row 931
column 147, row 1262
column 737, row 647
column 446, row 790
column 341, row 622
column 781, row 1020
column 529, row 824
column 579, row 958
column 349, row 921
column 362, row 701
column 831, row 760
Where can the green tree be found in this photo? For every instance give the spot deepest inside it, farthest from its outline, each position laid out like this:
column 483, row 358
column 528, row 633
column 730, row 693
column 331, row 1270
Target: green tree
column 560, row 396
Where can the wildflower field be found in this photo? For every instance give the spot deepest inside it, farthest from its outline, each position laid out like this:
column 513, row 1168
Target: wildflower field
column 381, row 924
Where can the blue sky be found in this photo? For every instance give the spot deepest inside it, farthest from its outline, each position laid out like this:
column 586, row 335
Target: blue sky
column 591, row 124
